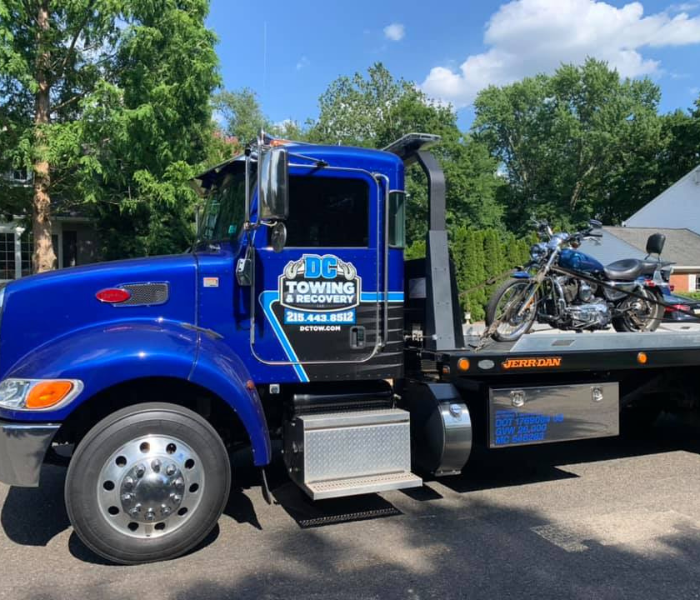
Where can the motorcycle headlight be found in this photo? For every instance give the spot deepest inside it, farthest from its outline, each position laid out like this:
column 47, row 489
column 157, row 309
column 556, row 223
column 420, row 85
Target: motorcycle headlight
column 37, row 394
column 538, row 251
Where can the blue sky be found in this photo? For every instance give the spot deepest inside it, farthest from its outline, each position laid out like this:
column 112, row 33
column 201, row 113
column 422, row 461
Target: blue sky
column 451, row 49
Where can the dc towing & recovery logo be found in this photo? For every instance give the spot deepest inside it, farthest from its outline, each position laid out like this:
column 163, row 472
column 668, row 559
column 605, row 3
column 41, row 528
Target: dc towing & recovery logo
column 319, row 293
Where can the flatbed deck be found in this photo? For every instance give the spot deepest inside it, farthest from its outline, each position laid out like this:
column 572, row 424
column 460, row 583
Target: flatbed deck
column 567, row 352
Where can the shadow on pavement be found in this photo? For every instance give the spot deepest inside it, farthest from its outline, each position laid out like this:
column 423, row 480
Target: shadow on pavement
column 505, row 553
column 34, row 516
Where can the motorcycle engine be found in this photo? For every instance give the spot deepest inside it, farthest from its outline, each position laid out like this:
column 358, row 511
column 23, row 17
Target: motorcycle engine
column 596, row 315
column 585, row 292
column 583, row 309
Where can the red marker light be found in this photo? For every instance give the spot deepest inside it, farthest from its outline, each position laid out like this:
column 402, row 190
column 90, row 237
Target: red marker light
column 113, row 295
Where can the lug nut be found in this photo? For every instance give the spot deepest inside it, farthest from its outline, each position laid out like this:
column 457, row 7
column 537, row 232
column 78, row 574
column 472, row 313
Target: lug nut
column 177, row 498
column 150, row 515
column 126, row 498
column 164, row 510
column 155, row 465
column 134, row 512
column 170, row 470
column 128, row 483
column 140, row 470
column 179, row 482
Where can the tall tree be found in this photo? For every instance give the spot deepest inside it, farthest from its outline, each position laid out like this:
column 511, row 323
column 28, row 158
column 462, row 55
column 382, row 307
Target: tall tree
column 243, row 117
column 579, row 143
column 682, row 149
column 120, row 105
column 375, row 109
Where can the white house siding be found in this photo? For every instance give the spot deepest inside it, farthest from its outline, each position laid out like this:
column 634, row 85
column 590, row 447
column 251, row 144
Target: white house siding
column 676, row 208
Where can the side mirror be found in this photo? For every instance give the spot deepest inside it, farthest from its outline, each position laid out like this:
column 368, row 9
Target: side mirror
column 278, row 236
column 595, row 224
column 655, row 243
column 244, row 269
column 273, row 184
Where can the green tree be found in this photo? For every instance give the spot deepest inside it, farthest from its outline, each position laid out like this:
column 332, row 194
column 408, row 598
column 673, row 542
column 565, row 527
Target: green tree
column 376, row 109
column 573, row 145
column 681, row 153
column 108, row 103
column 242, row 114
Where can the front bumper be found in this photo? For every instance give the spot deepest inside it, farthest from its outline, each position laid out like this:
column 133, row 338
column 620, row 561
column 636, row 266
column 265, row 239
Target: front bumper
column 23, row 447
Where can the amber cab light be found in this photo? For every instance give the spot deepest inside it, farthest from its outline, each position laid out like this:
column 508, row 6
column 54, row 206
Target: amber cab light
column 48, row 393
column 113, row 295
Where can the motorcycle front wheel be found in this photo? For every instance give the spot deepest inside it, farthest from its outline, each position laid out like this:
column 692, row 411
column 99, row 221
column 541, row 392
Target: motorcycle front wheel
column 639, row 314
column 504, row 306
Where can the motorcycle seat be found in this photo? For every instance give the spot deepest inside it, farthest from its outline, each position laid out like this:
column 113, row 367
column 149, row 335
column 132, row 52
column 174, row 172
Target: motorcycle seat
column 628, row 269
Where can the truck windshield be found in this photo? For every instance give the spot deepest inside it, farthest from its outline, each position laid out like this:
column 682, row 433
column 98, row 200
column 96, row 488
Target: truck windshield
column 224, row 213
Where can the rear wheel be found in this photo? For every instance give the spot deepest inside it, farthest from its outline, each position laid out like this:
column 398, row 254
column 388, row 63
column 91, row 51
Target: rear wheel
column 506, row 303
column 639, row 314
column 147, row 483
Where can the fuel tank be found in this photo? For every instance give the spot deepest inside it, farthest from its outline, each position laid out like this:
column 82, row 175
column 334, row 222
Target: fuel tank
column 578, row 261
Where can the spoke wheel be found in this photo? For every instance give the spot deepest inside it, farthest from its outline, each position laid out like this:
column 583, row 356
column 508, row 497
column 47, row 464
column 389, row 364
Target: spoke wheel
column 504, row 306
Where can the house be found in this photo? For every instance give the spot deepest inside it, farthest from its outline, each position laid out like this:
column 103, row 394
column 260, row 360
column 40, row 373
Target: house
column 678, row 207
column 75, row 240
column 682, row 248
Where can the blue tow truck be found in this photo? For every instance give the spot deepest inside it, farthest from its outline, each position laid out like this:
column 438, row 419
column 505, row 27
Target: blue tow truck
column 294, row 320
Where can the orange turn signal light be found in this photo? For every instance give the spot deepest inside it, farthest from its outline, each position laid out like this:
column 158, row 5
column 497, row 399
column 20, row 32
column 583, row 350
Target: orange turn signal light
column 642, row 358
column 463, row 364
column 48, row 393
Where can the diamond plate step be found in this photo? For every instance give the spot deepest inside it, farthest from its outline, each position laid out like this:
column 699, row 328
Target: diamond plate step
column 354, row 486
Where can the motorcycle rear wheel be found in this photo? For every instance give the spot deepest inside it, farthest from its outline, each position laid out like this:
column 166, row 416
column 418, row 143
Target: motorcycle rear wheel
column 514, row 327
column 640, row 315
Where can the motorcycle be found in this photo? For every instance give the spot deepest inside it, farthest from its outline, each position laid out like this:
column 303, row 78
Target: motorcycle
column 570, row 290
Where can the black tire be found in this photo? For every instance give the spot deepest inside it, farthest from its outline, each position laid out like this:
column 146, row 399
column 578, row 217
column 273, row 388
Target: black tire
column 117, row 431
column 492, row 308
column 629, row 324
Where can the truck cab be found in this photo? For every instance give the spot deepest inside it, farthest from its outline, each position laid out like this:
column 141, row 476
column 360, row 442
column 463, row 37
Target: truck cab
column 285, row 321
column 325, row 304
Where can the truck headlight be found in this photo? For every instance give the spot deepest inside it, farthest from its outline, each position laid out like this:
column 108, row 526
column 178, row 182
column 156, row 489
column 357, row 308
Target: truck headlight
column 37, row 394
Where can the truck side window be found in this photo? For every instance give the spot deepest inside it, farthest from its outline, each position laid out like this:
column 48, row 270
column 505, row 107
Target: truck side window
column 397, row 219
column 328, row 212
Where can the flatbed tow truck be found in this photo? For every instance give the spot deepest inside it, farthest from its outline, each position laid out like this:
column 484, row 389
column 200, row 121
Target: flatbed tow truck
column 294, row 319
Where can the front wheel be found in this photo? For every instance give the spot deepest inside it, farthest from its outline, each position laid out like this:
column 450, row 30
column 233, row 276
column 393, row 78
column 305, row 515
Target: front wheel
column 504, row 306
column 639, row 314
column 147, row 483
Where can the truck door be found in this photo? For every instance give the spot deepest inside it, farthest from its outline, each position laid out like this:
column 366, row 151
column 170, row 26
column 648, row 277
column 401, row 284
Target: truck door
column 319, row 301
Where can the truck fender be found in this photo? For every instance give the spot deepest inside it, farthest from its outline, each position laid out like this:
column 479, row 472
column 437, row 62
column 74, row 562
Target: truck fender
column 108, row 354
column 104, row 355
column 219, row 369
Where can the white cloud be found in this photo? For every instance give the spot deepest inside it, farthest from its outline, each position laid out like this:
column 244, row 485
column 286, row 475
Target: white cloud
column 394, row 32
column 303, row 63
column 684, row 7
column 526, row 37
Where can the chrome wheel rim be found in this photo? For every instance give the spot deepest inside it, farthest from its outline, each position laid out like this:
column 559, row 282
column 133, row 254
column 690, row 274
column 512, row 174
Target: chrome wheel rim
column 150, row 486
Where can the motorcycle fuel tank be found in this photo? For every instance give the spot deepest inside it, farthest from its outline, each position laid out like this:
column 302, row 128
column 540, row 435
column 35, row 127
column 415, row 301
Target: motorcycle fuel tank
column 578, row 261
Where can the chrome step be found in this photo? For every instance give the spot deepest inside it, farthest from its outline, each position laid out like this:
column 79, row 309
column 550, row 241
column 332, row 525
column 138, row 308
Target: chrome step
column 354, row 486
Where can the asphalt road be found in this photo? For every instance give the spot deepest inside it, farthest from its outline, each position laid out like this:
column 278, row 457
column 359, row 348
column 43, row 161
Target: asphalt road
column 616, row 518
